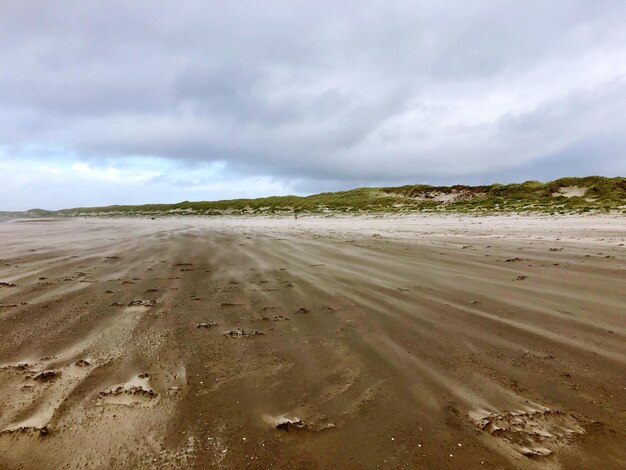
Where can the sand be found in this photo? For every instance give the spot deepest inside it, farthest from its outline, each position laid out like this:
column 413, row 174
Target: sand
column 356, row 342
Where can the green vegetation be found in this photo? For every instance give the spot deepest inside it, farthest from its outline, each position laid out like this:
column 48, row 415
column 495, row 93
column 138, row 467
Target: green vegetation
column 565, row 195
column 10, row 215
column 29, row 213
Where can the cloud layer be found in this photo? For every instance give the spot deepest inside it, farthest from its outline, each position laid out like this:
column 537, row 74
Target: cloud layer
column 314, row 95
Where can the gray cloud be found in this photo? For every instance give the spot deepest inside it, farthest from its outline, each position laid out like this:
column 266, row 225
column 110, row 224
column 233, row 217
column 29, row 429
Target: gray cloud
column 324, row 93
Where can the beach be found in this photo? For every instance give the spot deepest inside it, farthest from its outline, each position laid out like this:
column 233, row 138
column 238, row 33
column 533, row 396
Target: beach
column 417, row 341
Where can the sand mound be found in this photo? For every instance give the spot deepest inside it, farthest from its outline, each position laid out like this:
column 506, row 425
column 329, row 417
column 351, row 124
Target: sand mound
column 531, row 433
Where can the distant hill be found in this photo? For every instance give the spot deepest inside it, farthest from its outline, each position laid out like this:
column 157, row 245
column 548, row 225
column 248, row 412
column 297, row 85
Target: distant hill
column 32, row 213
column 11, row 215
column 565, row 195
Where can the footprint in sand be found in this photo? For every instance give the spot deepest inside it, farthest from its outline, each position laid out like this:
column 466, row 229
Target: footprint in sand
column 43, row 391
column 292, row 423
column 142, row 303
column 533, row 433
column 276, row 318
column 135, row 392
column 241, row 333
column 19, row 366
column 47, row 376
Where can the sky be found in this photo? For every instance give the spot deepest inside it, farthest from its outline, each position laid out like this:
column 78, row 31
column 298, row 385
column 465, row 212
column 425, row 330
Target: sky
column 113, row 102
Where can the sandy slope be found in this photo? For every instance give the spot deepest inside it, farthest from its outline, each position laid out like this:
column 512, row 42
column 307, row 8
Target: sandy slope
column 417, row 342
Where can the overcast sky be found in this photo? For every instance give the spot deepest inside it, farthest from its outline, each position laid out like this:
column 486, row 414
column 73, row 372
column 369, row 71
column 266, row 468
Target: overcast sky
column 147, row 101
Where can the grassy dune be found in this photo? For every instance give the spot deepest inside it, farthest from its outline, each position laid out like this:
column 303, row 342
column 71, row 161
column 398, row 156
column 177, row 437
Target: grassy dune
column 565, row 195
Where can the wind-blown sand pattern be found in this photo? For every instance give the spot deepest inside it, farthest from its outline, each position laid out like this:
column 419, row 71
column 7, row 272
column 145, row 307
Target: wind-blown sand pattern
column 380, row 342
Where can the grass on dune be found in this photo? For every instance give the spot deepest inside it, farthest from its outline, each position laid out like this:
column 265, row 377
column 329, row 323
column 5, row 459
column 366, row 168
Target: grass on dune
column 599, row 194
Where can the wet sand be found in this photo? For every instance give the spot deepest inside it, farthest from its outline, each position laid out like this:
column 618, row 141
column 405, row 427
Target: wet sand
column 358, row 342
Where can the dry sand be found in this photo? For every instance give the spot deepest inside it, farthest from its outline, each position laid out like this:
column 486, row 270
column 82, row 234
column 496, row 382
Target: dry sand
column 415, row 342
